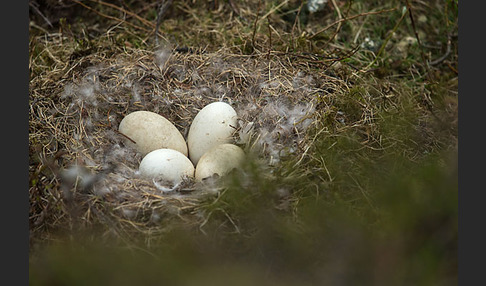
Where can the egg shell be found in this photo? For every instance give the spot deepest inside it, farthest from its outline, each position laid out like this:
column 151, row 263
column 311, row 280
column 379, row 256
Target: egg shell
column 213, row 125
column 151, row 131
column 219, row 160
column 166, row 164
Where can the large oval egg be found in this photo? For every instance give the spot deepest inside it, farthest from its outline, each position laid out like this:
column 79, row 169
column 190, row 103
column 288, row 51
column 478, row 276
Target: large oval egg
column 212, row 126
column 148, row 131
column 219, row 160
column 167, row 165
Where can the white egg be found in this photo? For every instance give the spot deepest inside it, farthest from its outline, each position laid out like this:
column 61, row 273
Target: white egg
column 166, row 165
column 212, row 126
column 148, row 131
column 219, row 160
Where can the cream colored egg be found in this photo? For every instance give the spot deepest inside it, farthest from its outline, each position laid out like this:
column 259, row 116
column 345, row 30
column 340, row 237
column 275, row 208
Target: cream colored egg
column 212, row 126
column 167, row 165
column 148, row 131
column 219, row 160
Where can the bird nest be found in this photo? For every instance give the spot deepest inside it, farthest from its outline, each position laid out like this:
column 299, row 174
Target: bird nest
column 83, row 174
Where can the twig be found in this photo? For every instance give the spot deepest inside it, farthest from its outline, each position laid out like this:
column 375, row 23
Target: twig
column 295, row 23
column 350, row 18
column 110, row 17
column 255, row 24
column 234, row 7
column 34, row 25
column 336, row 7
column 274, row 9
column 339, row 25
column 452, row 68
column 312, row 57
column 162, row 10
column 447, row 53
column 35, row 6
column 126, row 136
column 269, row 38
column 263, row 17
column 146, row 22
column 422, row 54
column 382, row 48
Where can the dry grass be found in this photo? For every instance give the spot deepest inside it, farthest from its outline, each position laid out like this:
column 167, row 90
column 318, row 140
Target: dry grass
column 77, row 104
column 298, row 89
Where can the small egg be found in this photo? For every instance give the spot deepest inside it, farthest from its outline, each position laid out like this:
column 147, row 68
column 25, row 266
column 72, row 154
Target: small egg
column 213, row 125
column 166, row 164
column 219, row 160
column 148, row 131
